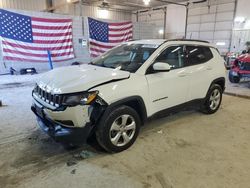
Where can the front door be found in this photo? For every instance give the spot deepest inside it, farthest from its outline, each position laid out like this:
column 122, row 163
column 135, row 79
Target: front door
column 168, row 89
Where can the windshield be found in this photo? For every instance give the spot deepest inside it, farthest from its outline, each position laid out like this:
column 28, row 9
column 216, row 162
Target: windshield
column 128, row 57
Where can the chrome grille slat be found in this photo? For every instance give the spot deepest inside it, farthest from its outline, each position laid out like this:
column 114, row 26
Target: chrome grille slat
column 54, row 100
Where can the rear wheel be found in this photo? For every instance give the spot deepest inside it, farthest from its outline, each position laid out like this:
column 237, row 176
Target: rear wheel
column 213, row 99
column 118, row 130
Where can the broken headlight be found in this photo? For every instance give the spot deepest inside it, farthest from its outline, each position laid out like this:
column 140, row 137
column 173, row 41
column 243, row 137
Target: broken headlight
column 80, row 99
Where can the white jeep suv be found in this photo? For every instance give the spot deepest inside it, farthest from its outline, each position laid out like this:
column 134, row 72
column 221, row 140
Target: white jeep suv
column 115, row 94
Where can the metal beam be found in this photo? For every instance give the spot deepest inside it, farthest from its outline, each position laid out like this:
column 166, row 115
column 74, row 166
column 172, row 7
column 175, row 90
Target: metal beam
column 186, row 22
column 171, row 2
column 233, row 24
column 165, row 22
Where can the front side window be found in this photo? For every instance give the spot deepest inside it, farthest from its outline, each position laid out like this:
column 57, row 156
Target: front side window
column 197, row 55
column 173, row 55
column 128, row 57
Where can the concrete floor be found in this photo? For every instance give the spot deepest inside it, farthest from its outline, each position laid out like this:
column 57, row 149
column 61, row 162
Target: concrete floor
column 188, row 149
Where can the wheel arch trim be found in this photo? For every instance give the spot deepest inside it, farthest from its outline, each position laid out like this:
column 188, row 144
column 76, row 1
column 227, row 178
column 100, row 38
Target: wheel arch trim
column 128, row 101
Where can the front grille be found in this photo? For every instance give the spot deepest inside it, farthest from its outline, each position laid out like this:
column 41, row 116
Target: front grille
column 52, row 99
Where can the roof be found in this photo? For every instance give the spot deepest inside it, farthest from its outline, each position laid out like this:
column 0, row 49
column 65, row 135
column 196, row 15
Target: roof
column 179, row 41
column 149, row 41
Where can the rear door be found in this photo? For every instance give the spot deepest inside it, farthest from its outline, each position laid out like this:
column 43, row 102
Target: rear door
column 199, row 63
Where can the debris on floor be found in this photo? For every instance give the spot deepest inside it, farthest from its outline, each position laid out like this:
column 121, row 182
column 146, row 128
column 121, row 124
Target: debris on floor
column 71, row 162
column 84, row 154
column 73, row 171
column 160, row 131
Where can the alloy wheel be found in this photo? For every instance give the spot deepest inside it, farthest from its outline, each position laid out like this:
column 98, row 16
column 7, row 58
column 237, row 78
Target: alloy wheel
column 122, row 130
column 215, row 99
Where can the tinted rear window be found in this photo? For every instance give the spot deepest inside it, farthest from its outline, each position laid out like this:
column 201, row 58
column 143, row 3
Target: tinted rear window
column 197, row 55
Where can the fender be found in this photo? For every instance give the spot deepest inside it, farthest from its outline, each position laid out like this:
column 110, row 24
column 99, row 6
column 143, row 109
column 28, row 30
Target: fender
column 135, row 102
column 221, row 81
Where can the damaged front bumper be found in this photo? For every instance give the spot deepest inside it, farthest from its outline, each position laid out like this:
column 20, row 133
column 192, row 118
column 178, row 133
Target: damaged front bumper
column 54, row 123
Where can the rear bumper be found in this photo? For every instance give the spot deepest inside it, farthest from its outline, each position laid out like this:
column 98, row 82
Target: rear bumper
column 63, row 134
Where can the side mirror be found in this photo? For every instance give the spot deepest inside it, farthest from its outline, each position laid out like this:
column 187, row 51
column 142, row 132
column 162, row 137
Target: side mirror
column 161, row 67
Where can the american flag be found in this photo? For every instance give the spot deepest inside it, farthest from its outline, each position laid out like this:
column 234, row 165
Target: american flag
column 26, row 38
column 104, row 36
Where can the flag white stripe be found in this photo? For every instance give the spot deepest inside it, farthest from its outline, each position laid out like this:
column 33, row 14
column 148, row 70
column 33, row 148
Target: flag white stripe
column 52, row 38
column 122, row 37
column 96, row 53
column 39, row 58
column 57, row 24
column 51, row 31
column 120, row 26
column 54, row 45
column 36, row 51
column 120, row 32
column 105, row 43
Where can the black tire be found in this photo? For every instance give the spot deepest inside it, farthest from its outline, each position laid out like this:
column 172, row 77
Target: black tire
column 207, row 107
column 233, row 79
column 104, row 133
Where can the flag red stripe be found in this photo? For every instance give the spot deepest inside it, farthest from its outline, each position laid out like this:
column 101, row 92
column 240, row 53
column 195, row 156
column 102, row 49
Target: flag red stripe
column 121, row 40
column 10, row 58
column 120, row 29
column 52, row 41
column 97, row 50
column 37, row 55
column 120, row 35
column 37, row 48
column 100, row 45
column 119, row 23
column 94, row 55
column 50, row 20
column 51, row 34
column 51, row 27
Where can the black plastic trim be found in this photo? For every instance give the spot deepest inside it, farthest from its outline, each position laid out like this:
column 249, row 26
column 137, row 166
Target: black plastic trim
column 142, row 113
column 194, row 104
column 218, row 80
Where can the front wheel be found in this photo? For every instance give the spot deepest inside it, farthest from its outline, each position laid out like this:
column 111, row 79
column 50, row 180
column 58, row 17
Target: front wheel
column 118, row 130
column 213, row 99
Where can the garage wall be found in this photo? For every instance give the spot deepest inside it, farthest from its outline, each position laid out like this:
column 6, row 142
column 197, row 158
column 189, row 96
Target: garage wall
column 212, row 21
column 240, row 37
column 241, row 31
column 175, row 21
column 80, row 52
column 80, row 31
column 36, row 5
column 74, row 9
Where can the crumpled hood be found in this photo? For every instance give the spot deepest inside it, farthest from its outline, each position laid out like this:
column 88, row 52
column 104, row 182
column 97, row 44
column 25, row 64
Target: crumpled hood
column 78, row 78
column 245, row 58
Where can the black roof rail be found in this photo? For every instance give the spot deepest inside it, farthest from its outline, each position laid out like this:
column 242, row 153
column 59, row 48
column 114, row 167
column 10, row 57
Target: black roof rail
column 192, row 40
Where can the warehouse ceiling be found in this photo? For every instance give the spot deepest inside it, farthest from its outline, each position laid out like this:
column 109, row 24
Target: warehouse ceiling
column 129, row 5
column 132, row 3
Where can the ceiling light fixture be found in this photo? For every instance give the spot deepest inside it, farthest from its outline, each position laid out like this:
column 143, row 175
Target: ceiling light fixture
column 146, row 2
column 220, row 43
column 240, row 19
column 161, row 31
column 103, row 13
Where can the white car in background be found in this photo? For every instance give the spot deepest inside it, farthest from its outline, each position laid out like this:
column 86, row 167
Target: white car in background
column 114, row 95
